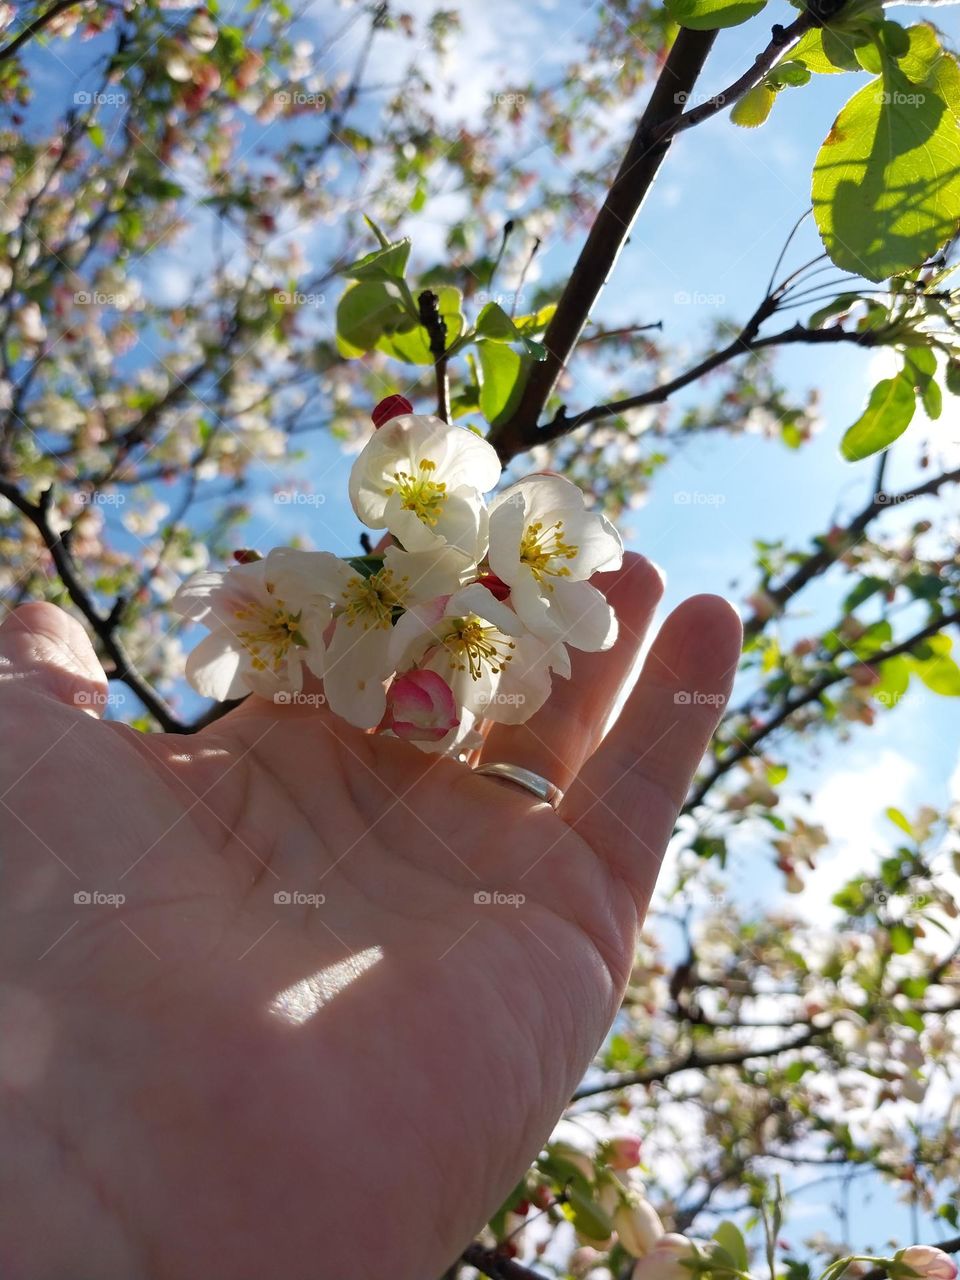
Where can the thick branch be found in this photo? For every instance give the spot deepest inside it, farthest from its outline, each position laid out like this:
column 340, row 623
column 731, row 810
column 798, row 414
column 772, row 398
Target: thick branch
column 607, row 236
column 104, row 628
column 747, row 745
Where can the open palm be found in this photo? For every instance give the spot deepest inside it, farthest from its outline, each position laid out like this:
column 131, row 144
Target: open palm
column 328, row 995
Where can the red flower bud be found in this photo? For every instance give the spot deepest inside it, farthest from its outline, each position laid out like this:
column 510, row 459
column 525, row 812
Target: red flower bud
column 246, row 555
column 496, row 586
column 390, row 407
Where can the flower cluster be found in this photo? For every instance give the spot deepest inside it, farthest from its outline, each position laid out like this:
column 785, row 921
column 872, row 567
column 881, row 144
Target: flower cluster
column 464, row 614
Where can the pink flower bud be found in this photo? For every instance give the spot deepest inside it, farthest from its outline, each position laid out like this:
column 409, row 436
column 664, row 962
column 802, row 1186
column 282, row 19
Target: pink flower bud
column 624, row 1153
column 420, row 707
column 928, row 1261
column 665, row 1260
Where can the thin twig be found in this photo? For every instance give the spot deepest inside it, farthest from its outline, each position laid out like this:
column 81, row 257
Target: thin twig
column 436, row 328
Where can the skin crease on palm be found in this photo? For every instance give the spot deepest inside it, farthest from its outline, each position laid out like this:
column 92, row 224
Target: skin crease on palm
column 204, row 1081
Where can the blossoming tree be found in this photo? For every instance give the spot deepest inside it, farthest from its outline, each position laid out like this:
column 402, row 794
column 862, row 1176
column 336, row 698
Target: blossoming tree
column 133, row 433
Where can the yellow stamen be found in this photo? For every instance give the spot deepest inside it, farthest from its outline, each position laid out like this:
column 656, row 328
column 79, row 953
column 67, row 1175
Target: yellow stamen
column 541, row 549
column 420, row 494
column 268, row 633
column 473, row 644
column 372, row 600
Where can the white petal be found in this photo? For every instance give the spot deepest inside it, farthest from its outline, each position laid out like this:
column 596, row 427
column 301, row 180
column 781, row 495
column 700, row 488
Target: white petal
column 583, row 616
column 438, row 572
column 477, row 599
column 526, row 681
column 214, row 667
column 355, row 667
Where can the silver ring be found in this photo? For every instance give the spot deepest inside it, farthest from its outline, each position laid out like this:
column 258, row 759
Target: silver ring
column 525, row 778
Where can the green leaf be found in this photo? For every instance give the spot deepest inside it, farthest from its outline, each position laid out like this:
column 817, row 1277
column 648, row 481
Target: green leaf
column 494, row 323
column 887, row 415
column 901, row 939
column 537, row 321
column 412, row 343
column 588, row 1216
column 364, row 313
column 900, row 820
column 932, row 400
column 382, row 264
column 886, row 182
column 754, row 107
column 953, row 376
column 834, row 308
column 728, row 1236
column 935, row 667
column 710, row 15
column 502, row 371
column 792, row 72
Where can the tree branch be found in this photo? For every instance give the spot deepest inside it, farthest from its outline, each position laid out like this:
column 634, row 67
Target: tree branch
column 744, row 343
column 32, row 28
column 781, row 39
column 948, row 1246
column 607, row 237
column 698, row 1062
column 497, row 1266
column 104, row 628
column 811, row 693
column 822, row 559
column 436, row 328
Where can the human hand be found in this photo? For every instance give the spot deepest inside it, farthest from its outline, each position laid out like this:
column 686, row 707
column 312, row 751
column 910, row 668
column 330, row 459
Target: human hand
column 211, row 1080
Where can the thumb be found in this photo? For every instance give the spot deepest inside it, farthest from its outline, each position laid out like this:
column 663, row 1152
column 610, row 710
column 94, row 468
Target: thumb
column 49, row 651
